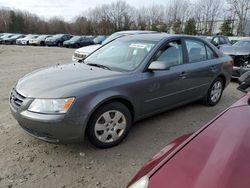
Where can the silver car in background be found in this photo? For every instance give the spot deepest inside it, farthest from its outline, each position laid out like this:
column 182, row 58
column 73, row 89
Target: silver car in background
column 25, row 40
column 38, row 41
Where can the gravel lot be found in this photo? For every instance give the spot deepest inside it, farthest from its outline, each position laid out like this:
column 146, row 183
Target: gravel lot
column 28, row 162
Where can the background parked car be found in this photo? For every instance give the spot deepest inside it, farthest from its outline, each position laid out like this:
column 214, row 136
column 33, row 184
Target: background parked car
column 25, row 40
column 99, row 39
column 220, row 41
column 39, row 40
column 240, row 52
column 83, row 52
column 5, row 36
column 57, row 40
column 78, row 41
column 12, row 40
column 217, row 155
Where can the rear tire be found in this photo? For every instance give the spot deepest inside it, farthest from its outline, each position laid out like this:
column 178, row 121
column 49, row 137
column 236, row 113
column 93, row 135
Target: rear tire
column 109, row 125
column 214, row 93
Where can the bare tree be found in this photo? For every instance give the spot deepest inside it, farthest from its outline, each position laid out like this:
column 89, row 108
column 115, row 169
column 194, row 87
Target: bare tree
column 177, row 13
column 4, row 20
column 241, row 9
column 207, row 11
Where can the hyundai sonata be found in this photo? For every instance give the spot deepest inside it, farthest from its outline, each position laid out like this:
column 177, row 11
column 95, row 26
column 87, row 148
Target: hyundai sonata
column 125, row 80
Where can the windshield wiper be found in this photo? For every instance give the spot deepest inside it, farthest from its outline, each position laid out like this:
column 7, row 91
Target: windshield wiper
column 98, row 65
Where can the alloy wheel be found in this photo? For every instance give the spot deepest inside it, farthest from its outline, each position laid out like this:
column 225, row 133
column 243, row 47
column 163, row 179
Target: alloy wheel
column 110, row 126
column 216, row 91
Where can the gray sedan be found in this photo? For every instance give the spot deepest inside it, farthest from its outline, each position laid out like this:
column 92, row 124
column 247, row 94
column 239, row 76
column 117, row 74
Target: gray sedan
column 125, row 80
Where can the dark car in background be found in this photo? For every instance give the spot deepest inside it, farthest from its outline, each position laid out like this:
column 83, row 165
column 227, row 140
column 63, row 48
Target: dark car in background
column 217, row 155
column 240, row 52
column 12, row 40
column 78, row 41
column 5, row 36
column 128, row 79
column 57, row 40
column 39, row 40
column 99, row 39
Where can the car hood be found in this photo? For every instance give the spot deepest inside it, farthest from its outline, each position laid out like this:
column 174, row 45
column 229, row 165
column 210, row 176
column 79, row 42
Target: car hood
column 23, row 39
column 88, row 49
column 51, row 39
column 235, row 50
column 70, row 42
column 59, row 80
column 217, row 157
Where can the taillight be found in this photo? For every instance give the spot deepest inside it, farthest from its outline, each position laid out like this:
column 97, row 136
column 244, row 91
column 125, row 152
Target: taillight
column 231, row 62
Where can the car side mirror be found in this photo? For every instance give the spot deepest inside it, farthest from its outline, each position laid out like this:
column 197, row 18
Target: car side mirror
column 244, row 81
column 158, row 65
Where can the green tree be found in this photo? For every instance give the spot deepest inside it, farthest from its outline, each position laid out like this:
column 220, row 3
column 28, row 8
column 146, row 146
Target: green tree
column 177, row 26
column 226, row 28
column 190, row 27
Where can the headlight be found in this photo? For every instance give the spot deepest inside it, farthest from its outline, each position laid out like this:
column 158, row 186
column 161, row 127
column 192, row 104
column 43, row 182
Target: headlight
column 51, row 106
column 141, row 183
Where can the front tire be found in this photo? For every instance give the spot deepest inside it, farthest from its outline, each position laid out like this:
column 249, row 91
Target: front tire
column 109, row 125
column 59, row 44
column 214, row 93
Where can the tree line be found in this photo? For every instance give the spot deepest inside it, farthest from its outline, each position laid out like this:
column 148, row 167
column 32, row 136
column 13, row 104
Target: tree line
column 176, row 16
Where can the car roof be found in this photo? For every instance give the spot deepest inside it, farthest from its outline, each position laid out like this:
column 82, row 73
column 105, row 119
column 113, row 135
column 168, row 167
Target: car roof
column 153, row 36
column 217, row 156
column 136, row 32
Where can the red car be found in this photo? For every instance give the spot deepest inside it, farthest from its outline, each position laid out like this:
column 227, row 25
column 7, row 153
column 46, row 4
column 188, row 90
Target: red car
column 216, row 156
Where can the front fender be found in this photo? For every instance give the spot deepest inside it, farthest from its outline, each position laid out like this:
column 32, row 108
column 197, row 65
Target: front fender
column 91, row 103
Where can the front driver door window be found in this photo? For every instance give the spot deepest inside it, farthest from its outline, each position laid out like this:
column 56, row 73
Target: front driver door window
column 170, row 54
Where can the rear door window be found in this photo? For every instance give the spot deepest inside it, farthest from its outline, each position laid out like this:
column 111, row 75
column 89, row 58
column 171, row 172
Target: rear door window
column 196, row 51
column 210, row 53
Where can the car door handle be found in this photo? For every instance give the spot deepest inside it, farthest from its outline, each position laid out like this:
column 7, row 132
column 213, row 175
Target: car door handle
column 213, row 68
column 183, row 75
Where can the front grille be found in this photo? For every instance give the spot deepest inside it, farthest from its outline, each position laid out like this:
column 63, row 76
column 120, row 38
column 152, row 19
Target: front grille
column 16, row 99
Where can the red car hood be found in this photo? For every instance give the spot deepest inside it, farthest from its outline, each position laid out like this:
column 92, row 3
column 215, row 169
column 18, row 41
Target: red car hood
column 216, row 156
column 219, row 156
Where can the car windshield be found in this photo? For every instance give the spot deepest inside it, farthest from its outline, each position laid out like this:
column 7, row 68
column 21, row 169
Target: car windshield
column 112, row 37
column 34, row 36
column 58, row 35
column 121, row 55
column 15, row 36
column 242, row 43
column 75, row 38
column 40, row 37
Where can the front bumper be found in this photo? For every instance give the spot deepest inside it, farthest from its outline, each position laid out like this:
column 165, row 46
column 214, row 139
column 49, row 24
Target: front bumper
column 238, row 71
column 60, row 128
column 22, row 42
column 8, row 42
column 72, row 45
column 50, row 43
column 34, row 43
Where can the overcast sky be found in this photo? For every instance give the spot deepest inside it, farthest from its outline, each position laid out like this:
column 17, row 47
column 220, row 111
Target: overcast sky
column 67, row 9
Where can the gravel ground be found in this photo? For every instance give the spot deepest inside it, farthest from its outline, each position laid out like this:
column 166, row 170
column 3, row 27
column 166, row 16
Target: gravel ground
column 28, row 162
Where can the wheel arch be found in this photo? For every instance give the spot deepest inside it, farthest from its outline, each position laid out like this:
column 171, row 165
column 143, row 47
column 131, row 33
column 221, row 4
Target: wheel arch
column 223, row 77
column 118, row 98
